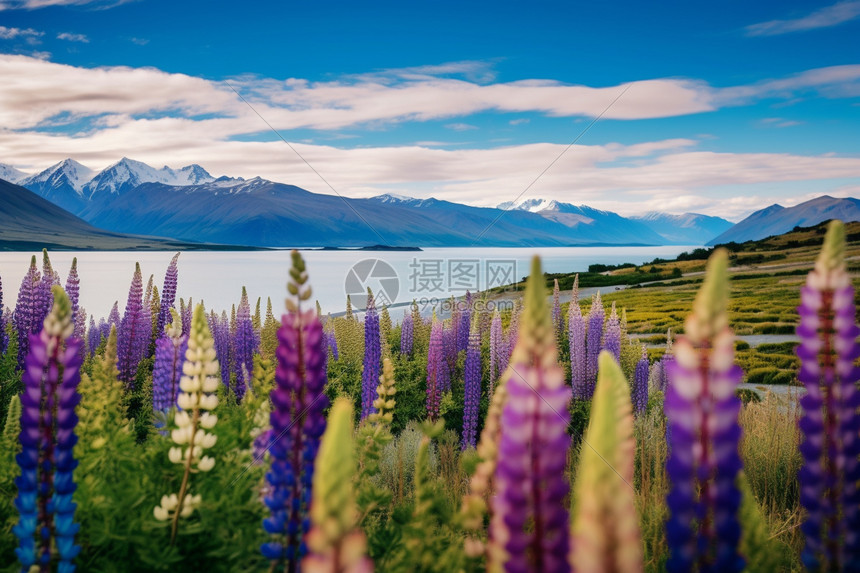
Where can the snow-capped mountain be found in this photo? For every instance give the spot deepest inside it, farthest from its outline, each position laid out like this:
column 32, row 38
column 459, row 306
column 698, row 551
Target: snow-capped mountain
column 11, row 174
column 126, row 174
column 61, row 184
column 686, row 229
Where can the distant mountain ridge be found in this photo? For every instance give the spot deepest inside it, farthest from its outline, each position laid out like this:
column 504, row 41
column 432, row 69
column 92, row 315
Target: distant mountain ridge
column 776, row 219
column 130, row 196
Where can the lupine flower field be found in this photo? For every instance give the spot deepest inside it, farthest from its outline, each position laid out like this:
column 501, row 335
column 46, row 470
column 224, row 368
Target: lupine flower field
column 169, row 436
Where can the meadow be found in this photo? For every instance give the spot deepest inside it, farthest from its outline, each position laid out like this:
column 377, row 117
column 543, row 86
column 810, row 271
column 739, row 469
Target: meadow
column 547, row 438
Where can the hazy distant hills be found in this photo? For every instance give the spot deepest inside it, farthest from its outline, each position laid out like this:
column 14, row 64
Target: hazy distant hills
column 189, row 204
column 776, row 219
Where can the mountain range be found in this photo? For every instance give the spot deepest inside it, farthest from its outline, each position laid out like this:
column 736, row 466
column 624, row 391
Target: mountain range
column 189, row 204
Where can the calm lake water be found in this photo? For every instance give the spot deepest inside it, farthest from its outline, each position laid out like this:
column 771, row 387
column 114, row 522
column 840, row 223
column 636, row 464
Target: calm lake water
column 218, row 277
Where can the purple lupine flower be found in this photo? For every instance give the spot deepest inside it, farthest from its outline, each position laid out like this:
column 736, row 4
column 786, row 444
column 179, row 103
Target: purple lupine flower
column 449, row 351
column 406, row 334
column 830, row 422
column 73, row 287
column 472, row 390
column 46, row 484
column 496, row 342
column 297, row 423
column 113, row 317
column 185, row 314
column 530, row 522
column 593, row 339
column 246, row 344
column 3, row 338
column 436, row 365
column 223, row 348
column 168, row 295
column 133, row 334
column 640, row 384
column 94, row 336
column 372, row 358
column 576, row 343
column 332, row 344
column 167, row 370
column 146, row 317
column 464, row 326
column 612, row 336
column 556, row 309
column 701, row 407
column 44, row 295
column 27, row 310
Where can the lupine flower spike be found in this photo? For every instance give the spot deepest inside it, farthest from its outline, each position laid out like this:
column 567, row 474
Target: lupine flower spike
column 830, row 423
column 196, row 401
column 529, row 527
column 640, row 383
column 605, row 529
column 170, row 352
column 406, row 334
column 246, row 344
column 576, row 341
column 132, row 335
column 372, row 357
column 297, row 422
column 335, row 544
column 45, row 486
column 612, row 337
column 27, row 310
column 472, row 387
column 436, row 369
column 593, row 341
column 168, row 296
column 702, row 410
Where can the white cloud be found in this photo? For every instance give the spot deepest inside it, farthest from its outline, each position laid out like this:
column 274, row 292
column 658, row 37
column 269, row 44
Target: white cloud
column 37, row 4
column 461, row 126
column 154, row 116
column 12, row 33
column 834, row 15
column 73, row 37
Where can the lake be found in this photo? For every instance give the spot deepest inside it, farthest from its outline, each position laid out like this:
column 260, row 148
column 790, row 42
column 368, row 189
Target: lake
column 397, row 277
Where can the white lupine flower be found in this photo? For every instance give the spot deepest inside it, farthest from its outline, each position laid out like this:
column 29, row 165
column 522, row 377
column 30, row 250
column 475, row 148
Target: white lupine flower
column 197, row 385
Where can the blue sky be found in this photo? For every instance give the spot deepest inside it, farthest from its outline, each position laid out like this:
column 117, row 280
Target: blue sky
column 728, row 106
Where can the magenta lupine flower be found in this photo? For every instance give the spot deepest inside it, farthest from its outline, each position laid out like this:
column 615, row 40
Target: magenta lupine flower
column 133, row 334
column 612, row 336
column 472, row 390
column 640, row 384
column 372, row 358
column 530, row 521
column 702, row 531
column 830, row 423
column 246, row 343
column 496, row 350
column 113, row 317
column 167, row 370
column 436, row 370
column 46, row 484
column 168, row 295
column 407, row 335
column 3, row 338
column 556, row 309
column 593, row 340
column 27, row 310
column 576, row 343
column 297, row 423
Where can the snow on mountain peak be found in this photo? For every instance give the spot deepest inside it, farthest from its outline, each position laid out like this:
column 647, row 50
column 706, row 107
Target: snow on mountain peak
column 67, row 171
column 11, row 174
column 127, row 173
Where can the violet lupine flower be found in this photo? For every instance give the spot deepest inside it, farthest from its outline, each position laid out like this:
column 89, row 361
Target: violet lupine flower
column 146, row 317
column 372, row 358
column 47, row 437
column 113, row 317
column 297, row 423
column 167, row 371
column 640, row 384
column 332, row 344
column 576, row 343
column 593, row 339
column 830, row 422
column 406, row 334
column 27, row 310
column 46, row 298
column 133, row 334
column 94, row 336
column 3, row 338
column 73, row 287
column 464, row 326
column 496, row 341
column 436, row 365
column 185, row 314
column 702, row 531
column 223, row 348
column 529, row 528
column 449, row 351
column 246, row 344
column 556, row 309
column 612, row 336
column 168, row 295
column 472, row 390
